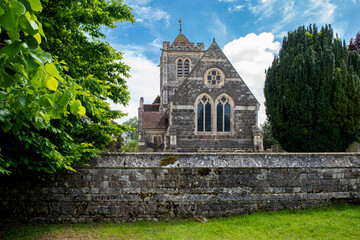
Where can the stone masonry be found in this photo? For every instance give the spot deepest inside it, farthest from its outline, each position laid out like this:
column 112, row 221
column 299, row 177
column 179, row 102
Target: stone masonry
column 131, row 187
column 172, row 123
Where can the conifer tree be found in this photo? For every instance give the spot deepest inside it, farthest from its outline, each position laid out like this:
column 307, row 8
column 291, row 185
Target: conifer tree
column 312, row 92
column 355, row 43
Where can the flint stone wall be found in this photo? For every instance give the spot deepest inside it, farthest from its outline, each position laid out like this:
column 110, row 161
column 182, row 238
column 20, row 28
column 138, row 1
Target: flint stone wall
column 130, row 187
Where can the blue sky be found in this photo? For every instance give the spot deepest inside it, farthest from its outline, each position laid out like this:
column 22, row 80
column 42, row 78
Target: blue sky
column 249, row 32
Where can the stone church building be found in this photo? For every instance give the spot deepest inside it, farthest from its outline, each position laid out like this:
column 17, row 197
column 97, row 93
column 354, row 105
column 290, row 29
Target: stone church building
column 204, row 104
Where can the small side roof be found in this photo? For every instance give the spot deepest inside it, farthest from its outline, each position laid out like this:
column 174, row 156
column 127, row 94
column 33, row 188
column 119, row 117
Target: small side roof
column 153, row 120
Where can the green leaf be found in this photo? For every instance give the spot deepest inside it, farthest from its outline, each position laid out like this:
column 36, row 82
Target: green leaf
column 32, row 42
column 12, row 49
column 6, row 126
column 18, row 8
column 35, row 57
column 38, row 37
column 35, row 5
column 46, row 102
column 28, row 17
column 65, row 98
column 22, row 100
column 30, row 63
column 75, row 107
column 1, row 11
column 3, row 95
column 82, row 111
column 52, row 83
column 6, row 80
column 29, row 26
column 43, row 56
column 18, row 68
column 3, row 114
column 45, row 117
column 10, row 22
column 51, row 69
column 34, row 26
column 17, row 126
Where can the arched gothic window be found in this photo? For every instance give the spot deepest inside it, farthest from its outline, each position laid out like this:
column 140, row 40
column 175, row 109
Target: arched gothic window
column 204, row 114
column 180, row 68
column 186, row 68
column 223, row 114
column 183, row 67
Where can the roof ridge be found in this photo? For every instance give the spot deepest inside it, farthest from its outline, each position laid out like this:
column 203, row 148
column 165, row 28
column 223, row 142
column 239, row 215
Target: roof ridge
column 180, row 39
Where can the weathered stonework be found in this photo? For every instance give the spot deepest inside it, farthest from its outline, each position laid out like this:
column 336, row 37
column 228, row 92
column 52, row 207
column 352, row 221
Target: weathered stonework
column 130, row 187
column 181, row 93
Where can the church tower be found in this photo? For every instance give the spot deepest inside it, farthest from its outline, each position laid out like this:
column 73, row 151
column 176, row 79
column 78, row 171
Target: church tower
column 176, row 62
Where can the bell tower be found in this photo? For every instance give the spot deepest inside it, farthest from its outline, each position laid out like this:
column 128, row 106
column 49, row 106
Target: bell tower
column 176, row 62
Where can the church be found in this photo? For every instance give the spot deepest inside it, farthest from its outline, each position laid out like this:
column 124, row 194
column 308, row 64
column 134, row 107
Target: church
column 204, row 105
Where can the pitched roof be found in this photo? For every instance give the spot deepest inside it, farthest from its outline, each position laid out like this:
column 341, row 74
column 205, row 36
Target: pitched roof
column 213, row 57
column 153, row 120
column 151, row 107
column 181, row 40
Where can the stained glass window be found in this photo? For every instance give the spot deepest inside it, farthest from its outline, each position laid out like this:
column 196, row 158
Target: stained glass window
column 213, row 77
column 219, row 115
column 200, row 117
column 223, row 115
column 227, row 117
column 204, row 115
column 208, row 117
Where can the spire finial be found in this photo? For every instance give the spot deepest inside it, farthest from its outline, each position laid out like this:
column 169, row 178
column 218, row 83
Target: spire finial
column 180, row 25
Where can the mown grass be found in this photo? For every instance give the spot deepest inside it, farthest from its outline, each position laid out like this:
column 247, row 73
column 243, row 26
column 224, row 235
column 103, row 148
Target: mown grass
column 336, row 222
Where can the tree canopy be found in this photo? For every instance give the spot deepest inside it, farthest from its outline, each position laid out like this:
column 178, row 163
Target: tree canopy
column 131, row 137
column 312, row 92
column 355, row 43
column 55, row 77
column 268, row 138
column 132, row 134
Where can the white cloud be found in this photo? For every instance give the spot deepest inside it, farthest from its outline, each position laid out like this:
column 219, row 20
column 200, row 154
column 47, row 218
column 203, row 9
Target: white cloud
column 217, row 28
column 340, row 28
column 156, row 44
column 263, row 9
column 236, row 8
column 251, row 55
column 146, row 14
column 150, row 15
column 322, row 11
column 144, row 82
column 287, row 14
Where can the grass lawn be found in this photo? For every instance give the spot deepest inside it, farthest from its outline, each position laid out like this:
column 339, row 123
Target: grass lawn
column 336, row 222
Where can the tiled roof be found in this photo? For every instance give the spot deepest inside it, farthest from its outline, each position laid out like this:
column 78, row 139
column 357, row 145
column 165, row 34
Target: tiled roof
column 153, row 120
column 151, row 107
column 181, row 40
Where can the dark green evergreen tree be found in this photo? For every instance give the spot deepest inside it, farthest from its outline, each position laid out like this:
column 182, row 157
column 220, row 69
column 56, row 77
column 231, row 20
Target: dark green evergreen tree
column 312, row 92
column 268, row 138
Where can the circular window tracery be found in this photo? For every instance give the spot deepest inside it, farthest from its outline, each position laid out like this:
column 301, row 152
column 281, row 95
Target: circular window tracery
column 214, row 78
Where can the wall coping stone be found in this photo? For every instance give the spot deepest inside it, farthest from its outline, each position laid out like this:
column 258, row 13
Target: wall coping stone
column 228, row 160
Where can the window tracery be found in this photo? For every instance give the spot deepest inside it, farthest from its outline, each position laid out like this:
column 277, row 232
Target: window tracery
column 214, row 78
column 204, row 114
column 223, row 115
